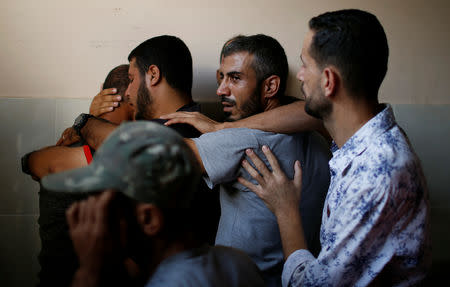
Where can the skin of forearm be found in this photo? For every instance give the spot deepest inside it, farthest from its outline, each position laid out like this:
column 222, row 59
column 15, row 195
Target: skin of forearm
column 38, row 163
column 96, row 130
column 55, row 159
column 288, row 119
column 291, row 231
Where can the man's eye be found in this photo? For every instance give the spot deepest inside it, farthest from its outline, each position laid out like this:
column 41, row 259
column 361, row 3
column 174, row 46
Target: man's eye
column 235, row 78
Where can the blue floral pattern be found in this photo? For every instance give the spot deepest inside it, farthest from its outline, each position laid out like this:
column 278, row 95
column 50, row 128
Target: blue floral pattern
column 375, row 223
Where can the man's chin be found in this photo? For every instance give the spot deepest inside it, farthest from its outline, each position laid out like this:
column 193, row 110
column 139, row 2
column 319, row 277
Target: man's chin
column 312, row 113
column 229, row 117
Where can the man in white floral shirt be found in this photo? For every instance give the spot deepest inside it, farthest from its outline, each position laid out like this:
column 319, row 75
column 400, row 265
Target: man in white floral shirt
column 375, row 224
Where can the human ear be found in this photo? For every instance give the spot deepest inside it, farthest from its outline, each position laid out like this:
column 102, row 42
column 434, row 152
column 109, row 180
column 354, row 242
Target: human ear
column 330, row 81
column 153, row 75
column 150, row 218
column 271, row 85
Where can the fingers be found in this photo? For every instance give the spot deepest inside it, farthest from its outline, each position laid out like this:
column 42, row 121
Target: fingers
column 102, row 206
column 253, row 173
column 178, row 120
column 72, row 215
column 272, row 159
column 63, row 137
column 248, row 184
column 297, row 174
column 110, row 91
column 259, row 164
column 59, row 142
column 110, row 98
column 105, row 101
column 190, row 118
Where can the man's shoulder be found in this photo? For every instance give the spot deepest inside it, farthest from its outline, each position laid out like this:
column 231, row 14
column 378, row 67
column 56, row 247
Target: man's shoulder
column 391, row 148
column 390, row 162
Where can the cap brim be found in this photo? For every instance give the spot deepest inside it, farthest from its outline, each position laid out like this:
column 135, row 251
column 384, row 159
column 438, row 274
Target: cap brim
column 89, row 178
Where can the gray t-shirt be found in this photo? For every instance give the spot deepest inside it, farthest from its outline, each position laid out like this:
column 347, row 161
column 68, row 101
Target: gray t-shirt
column 207, row 267
column 246, row 223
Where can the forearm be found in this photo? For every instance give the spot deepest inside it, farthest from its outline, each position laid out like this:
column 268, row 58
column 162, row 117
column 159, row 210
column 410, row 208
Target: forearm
column 96, row 130
column 291, row 231
column 287, row 119
column 37, row 163
column 55, row 159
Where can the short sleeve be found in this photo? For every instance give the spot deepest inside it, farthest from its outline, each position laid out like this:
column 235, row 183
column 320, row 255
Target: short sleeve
column 222, row 152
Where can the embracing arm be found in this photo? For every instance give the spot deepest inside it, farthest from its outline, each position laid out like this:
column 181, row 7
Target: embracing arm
column 54, row 159
column 96, row 130
column 289, row 118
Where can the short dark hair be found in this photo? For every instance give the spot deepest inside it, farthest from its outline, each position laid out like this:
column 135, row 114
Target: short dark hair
column 172, row 57
column 118, row 78
column 269, row 57
column 355, row 42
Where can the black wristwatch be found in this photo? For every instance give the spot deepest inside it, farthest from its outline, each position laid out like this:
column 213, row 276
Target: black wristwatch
column 80, row 121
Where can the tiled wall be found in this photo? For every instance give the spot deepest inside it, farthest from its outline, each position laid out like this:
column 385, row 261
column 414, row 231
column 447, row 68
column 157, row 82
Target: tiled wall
column 28, row 124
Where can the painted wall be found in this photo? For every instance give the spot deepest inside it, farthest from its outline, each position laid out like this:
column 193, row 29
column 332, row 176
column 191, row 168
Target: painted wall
column 55, row 54
column 63, row 49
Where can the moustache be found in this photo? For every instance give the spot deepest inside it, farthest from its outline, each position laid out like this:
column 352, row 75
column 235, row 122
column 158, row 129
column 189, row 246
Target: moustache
column 302, row 89
column 227, row 100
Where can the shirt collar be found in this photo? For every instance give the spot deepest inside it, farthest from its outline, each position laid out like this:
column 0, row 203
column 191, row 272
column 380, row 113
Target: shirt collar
column 359, row 142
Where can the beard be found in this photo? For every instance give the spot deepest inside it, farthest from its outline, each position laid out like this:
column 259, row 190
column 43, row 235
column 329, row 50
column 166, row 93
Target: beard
column 316, row 105
column 250, row 107
column 144, row 110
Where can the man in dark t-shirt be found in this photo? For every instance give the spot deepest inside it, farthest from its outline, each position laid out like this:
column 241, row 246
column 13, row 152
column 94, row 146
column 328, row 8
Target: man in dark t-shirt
column 160, row 75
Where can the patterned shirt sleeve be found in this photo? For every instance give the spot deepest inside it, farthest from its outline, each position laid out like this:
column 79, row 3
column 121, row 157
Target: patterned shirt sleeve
column 362, row 233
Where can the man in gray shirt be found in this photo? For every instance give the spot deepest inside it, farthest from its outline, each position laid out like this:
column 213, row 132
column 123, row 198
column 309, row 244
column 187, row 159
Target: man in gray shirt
column 252, row 79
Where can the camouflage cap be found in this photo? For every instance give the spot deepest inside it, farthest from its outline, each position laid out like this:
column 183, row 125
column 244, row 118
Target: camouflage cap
column 144, row 160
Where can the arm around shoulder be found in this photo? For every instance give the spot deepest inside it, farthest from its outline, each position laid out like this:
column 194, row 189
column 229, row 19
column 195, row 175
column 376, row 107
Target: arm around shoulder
column 290, row 118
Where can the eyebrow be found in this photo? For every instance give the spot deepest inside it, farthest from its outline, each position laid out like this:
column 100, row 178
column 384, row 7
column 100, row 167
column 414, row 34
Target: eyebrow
column 234, row 73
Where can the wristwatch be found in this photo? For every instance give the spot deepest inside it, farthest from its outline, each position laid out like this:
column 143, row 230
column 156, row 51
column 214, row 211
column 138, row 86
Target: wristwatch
column 80, row 121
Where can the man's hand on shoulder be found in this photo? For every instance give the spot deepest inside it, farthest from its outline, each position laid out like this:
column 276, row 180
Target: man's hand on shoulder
column 105, row 101
column 278, row 192
column 199, row 121
column 68, row 137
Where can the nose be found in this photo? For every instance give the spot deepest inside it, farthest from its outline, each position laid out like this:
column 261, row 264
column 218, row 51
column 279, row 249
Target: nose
column 300, row 74
column 222, row 89
column 127, row 93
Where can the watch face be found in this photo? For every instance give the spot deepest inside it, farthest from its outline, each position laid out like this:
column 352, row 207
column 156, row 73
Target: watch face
column 79, row 120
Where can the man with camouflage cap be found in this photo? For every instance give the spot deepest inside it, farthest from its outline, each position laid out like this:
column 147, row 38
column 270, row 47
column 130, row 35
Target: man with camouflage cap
column 149, row 175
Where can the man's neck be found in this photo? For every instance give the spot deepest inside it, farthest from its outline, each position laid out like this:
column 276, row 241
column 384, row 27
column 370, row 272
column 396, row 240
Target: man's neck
column 272, row 104
column 168, row 100
column 347, row 117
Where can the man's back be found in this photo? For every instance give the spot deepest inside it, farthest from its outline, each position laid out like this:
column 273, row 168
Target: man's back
column 246, row 223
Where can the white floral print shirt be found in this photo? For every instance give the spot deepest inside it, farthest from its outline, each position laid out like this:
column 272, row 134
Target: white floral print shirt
column 375, row 222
